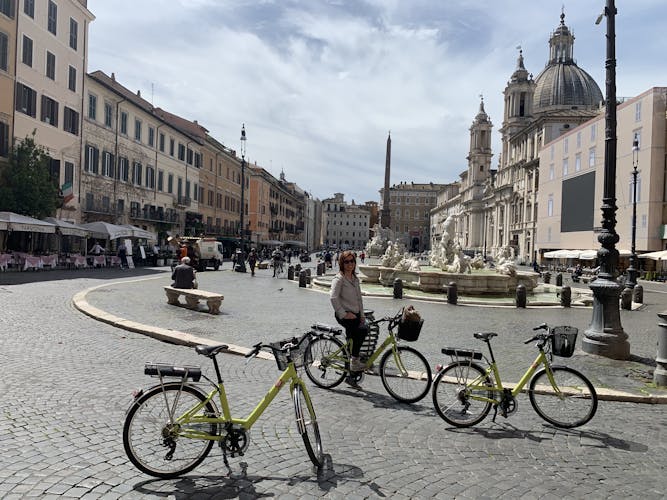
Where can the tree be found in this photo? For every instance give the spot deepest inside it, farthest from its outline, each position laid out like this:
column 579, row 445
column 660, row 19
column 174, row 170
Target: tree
column 26, row 186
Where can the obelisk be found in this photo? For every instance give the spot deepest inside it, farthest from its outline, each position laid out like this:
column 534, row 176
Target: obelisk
column 385, row 214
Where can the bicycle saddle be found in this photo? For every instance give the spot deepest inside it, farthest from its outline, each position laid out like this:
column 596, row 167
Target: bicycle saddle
column 321, row 327
column 210, row 350
column 485, row 336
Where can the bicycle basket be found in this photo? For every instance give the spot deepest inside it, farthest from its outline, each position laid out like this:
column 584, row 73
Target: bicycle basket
column 296, row 352
column 563, row 340
column 409, row 330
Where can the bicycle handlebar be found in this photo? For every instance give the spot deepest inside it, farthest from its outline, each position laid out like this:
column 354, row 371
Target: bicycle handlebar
column 290, row 344
column 540, row 337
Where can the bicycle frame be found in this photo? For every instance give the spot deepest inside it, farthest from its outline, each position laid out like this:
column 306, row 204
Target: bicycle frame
column 193, row 415
column 390, row 340
column 492, row 371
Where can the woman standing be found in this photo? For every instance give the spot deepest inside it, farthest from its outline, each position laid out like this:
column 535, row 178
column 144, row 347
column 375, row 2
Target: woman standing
column 348, row 305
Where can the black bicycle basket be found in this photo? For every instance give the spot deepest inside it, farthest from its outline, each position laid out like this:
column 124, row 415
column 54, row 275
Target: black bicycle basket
column 409, row 330
column 563, row 340
column 296, row 352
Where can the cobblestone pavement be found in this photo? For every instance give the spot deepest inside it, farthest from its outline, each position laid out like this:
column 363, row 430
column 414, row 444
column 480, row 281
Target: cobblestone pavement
column 67, row 380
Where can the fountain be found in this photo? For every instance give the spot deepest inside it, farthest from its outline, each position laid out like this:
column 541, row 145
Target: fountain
column 448, row 264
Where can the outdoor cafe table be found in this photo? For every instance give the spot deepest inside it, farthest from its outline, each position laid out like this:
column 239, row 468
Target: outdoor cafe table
column 50, row 260
column 32, row 262
column 5, row 260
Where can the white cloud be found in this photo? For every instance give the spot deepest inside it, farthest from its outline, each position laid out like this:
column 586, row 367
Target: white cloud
column 319, row 84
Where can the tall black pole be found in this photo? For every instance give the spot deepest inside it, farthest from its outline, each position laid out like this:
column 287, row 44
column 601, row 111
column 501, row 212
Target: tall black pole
column 240, row 263
column 632, row 269
column 605, row 335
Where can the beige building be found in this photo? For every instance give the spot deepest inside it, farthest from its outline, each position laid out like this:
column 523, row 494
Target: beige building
column 572, row 176
column 346, row 225
column 410, row 205
column 140, row 164
column 8, row 24
column 51, row 61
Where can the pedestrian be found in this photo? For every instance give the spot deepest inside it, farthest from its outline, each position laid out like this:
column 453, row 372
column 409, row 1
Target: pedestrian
column 362, row 256
column 97, row 248
column 277, row 258
column 184, row 275
column 122, row 254
column 349, row 308
column 252, row 261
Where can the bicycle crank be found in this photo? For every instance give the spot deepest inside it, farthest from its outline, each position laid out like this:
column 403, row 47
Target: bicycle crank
column 236, row 441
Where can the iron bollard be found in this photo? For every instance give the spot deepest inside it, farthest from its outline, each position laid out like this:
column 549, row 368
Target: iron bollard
column 566, row 296
column 638, row 294
column 303, row 279
column 398, row 288
column 660, row 373
column 319, row 269
column 290, row 273
column 308, row 273
column 297, row 268
column 452, row 293
column 521, row 296
column 626, row 299
column 547, row 277
column 559, row 279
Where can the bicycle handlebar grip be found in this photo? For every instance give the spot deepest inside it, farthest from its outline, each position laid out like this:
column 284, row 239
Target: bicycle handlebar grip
column 530, row 340
column 543, row 326
column 254, row 351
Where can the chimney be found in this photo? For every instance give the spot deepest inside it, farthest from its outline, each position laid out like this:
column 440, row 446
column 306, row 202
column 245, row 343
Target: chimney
column 138, row 93
column 113, row 76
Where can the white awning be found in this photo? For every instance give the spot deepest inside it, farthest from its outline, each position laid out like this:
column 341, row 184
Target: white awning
column 23, row 223
column 660, row 255
column 271, row 242
column 562, row 254
column 137, row 232
column 106, row 230
column 67, row 228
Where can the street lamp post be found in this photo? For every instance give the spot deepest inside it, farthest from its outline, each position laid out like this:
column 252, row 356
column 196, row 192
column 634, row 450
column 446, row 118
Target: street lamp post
column 605, row 335
column 240, row 262
column 632, row 269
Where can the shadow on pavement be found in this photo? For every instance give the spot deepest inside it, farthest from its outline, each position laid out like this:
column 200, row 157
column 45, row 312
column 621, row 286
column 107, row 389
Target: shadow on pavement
column 22, row 277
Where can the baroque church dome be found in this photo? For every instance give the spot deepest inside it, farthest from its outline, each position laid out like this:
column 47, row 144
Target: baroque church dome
column 562, row 84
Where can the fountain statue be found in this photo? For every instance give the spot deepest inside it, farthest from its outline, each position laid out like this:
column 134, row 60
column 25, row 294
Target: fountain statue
column 378, row 244
column 393, row 254
column 505, row 261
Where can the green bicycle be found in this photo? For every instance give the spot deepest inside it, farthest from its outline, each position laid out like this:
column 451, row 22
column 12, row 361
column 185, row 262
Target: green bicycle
column 171, row 427
column 464, row 391
column 405, row 373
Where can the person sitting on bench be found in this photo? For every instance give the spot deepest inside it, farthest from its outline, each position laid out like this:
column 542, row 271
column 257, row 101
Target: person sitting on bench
column 184, row 275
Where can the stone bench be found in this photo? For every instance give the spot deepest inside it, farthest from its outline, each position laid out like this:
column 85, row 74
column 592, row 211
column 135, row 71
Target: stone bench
column 192, row 298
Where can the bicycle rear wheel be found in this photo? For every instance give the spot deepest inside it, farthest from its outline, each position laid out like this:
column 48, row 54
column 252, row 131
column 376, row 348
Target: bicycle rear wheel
column 454, row 390
column 324, row 361
column 306, row 422
column 570, row 402
column 155, row 445
column 405, row 375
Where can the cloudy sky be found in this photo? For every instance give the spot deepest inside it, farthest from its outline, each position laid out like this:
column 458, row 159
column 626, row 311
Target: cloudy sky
column 319, row 83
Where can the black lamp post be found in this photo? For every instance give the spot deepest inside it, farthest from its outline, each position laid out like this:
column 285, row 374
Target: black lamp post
column 240, row 262
column 632, row 269
column 605, row 335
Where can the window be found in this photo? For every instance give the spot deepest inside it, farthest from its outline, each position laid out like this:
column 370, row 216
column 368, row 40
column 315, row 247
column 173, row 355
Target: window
column 189, row 156
column 123, row 169
column 123, row 122
column 187, row 189
column 591, row 157
column 71, row 121
column 170, row 183
column 73, row 33
column 49, row 111
column 4, row 139
column 26, row 100
column 26, row 57
column 108, row 115
column 72, row 79
column 50, row 65
column 171, row 147
column 550, row 206
column 161, row 143
column 137, row 130
column 198, row 160
column 107, row 164
column 150, row 177
column 136, row 174
column 69, row 172
column 593, row 131
column 92, row 159
column 29, row 8
column 638, row 111
column 181, row 152
column 4, row 51
column 151, row 136
column 92, row 106
column 7, row 8
column 566, row 146
column 160, row 180
column 577, row 162
column 566, row 168
column 578, row 140
column 53, row 18
column 551, row 172
column 551, row 152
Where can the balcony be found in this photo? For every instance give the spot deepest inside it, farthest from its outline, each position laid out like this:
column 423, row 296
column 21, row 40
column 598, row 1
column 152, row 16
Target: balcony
column 183, row 201
column 99, row 208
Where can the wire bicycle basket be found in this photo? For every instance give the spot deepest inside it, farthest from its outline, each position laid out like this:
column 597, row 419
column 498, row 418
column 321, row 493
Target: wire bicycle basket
column 409, row 330
column 563, row 340
column 294, row 353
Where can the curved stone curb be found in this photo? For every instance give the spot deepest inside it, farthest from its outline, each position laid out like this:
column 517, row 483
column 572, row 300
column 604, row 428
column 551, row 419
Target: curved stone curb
column 182, row 338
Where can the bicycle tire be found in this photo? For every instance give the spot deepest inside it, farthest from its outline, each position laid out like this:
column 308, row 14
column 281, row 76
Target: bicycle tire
column 145, row 427
column 306, row 423
column 410, row 388
column 578, row 404
column 451, row 395
column 322, row 367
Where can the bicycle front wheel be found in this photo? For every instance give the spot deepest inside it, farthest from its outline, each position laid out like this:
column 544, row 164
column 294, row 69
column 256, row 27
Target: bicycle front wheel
column 405, row 374
column 324, row 361
column 306, row 422
column 155, row 443
column 569, row 402
column 454, row 390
